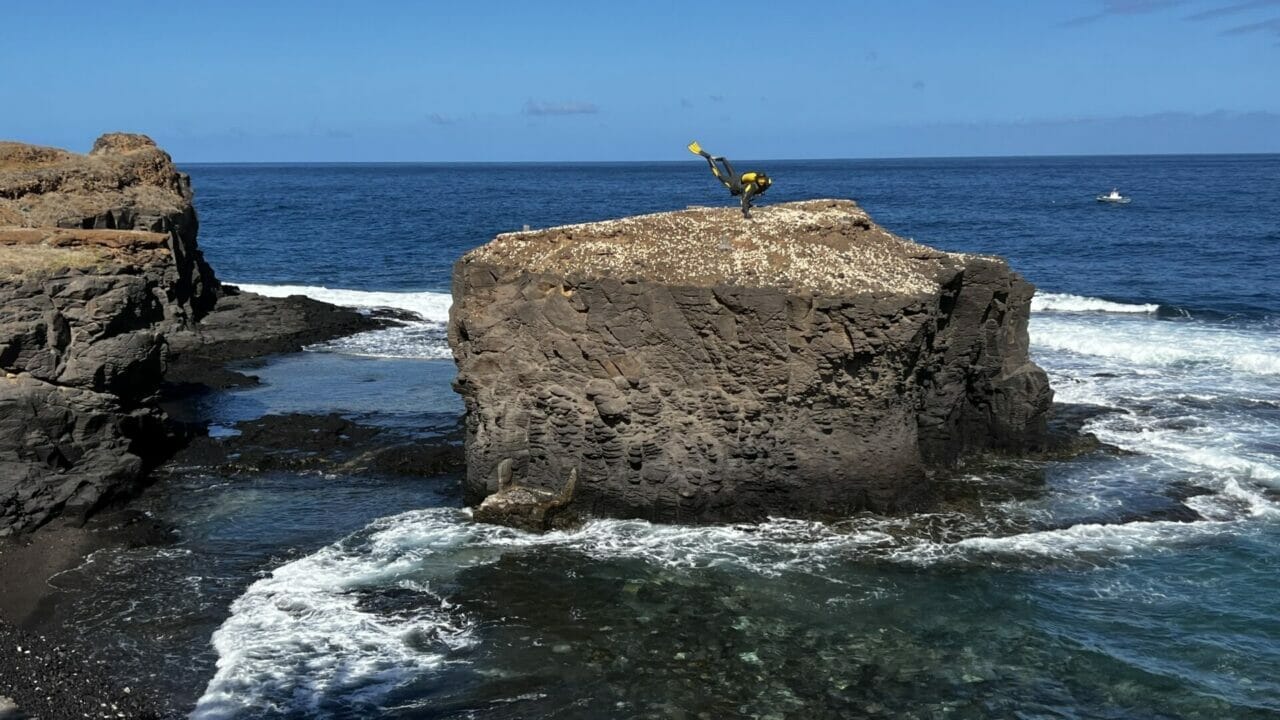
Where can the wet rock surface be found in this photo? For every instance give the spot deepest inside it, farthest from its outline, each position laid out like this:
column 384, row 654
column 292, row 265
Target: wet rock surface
column 321, row 443
column 247, row 325
column 692, row 366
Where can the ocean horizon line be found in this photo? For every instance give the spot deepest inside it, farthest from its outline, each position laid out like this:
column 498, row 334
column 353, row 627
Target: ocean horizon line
column 899, row 158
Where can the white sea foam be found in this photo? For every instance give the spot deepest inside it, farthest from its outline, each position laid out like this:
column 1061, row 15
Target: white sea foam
column 1261, row 363
column 1234, row 501
column 430, row 306
column 783, row 545
column 1063, row 302
column 1258, row 505
column 412, row 340
column 770, row 547
column 301, row 635
column 1076, row 543
column 1187, row 393
column 1160, row 344
column 422, row 338
column 767, row 547
column 1208, row 451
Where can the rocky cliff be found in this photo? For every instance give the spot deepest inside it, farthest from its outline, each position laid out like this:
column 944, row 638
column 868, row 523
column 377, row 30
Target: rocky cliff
column 693, row 365
column 98, row 261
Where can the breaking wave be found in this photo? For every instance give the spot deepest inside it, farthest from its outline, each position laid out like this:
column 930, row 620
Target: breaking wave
column 1064, row 302
column 421, row 336
column 305, row 636
column 429, row 306
column 1141, row 342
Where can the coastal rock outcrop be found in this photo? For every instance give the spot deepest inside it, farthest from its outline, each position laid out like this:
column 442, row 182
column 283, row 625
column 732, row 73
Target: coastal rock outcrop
column 98, row 261
column 695, row 366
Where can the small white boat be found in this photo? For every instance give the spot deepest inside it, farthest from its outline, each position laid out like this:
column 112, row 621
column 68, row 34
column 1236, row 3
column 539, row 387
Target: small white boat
column 1113, row 197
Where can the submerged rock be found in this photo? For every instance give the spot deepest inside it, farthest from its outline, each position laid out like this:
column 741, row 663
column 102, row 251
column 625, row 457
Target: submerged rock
column 694, row 366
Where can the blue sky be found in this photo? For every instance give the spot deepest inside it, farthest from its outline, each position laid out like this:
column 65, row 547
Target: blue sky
column 496, row 81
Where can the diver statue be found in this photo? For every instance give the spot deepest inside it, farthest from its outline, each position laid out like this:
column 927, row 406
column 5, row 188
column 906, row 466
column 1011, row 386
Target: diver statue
column 748, row 185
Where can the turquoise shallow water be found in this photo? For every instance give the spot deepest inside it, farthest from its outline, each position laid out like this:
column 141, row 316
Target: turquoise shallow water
column 1055, row 589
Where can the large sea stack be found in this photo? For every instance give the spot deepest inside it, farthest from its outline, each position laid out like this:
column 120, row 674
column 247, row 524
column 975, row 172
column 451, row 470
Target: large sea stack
column 697, row 366
column 98, row 261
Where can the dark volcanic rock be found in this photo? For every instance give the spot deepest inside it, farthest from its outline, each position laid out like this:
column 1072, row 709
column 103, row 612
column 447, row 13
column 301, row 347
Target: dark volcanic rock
column 125, row 183
column 247, row 325
column 102, row 286
column 67, row 450
column 328, row 443
column 98, row 261
column 105, row 302
column 696, row 366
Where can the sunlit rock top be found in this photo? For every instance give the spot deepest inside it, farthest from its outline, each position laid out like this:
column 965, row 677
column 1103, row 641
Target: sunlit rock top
column 818, row 246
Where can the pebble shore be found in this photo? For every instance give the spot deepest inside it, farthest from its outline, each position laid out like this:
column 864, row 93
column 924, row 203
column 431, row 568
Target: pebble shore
column 45, row 677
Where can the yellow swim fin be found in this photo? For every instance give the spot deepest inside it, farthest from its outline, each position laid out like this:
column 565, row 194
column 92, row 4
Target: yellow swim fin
column 695, row 148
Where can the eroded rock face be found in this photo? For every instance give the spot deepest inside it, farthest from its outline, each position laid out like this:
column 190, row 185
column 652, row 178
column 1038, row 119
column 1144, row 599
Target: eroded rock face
column 696, row 366
column 125, row 183
column 98, row 261
column 66, row 450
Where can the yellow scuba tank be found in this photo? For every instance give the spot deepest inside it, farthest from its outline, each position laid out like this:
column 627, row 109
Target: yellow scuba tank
column 761, row 180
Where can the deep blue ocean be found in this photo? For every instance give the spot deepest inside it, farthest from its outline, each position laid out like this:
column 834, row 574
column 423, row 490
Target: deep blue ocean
column 1138, row 581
